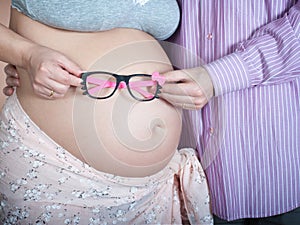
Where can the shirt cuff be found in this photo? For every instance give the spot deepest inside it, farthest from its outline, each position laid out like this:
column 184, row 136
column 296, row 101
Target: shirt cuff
column 228, row 74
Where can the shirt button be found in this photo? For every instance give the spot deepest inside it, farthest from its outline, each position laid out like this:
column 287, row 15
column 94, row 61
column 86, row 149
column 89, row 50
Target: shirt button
column 209, row 36
column 211, row 131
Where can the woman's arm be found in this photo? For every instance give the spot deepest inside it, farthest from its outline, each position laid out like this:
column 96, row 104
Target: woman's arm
column 15, row 45
column 49, row 69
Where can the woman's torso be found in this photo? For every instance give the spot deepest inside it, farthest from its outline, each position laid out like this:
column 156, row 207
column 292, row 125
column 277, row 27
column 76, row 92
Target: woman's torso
column 118, row 135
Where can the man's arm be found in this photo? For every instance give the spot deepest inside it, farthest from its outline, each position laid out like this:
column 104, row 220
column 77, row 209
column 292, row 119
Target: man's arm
column 271, row 56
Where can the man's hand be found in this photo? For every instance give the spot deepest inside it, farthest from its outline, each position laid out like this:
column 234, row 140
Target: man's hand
column 12, row 79
column 188, row 89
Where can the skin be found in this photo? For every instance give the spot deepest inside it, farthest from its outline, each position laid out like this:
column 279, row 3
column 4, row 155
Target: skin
column 118, row 135
column 38, row 61
column 189, row 89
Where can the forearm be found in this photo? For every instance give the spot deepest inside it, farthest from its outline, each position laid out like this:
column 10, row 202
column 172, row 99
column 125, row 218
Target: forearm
column 14, row 49
column 271, row 56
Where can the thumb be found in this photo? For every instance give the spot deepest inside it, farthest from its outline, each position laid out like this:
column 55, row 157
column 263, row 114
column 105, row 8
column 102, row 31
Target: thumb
column 174, row 76
column 74, row 80
column 75, row 73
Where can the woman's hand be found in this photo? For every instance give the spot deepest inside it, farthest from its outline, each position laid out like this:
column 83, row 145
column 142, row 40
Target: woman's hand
column 188, row 89
column 51, row 72
column 12, row 79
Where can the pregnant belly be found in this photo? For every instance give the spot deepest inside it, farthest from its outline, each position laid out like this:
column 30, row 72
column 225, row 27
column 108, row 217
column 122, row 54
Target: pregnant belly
column 117, row 135
column 122, row 136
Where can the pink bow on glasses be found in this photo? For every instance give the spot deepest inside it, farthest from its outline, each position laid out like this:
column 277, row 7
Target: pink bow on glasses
column 157, row 77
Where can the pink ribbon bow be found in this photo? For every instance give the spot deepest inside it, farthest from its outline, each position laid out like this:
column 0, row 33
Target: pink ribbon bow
column 157, row 77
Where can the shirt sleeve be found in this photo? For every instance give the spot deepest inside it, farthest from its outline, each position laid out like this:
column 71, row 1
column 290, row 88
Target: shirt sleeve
column 271, row 56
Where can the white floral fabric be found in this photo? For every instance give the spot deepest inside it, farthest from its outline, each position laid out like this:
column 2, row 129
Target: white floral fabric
column 42, row 183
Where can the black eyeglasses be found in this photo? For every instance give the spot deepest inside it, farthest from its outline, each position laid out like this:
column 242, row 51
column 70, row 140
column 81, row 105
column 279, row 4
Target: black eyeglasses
column 102, row 85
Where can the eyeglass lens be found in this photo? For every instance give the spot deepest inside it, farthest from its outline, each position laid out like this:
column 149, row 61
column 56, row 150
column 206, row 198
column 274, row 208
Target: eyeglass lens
column 102, row 85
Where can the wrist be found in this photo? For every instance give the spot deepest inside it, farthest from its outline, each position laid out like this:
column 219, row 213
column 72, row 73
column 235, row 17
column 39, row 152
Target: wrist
column 208, row 81
column 27, row 50
column 203, row 78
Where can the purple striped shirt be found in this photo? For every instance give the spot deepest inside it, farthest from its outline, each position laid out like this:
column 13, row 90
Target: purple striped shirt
column 248, row 136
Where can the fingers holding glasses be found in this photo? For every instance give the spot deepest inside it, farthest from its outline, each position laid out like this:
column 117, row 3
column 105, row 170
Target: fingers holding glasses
column 183, row 101
column 189, row 89
column 51, row 72
column 52, row 91
column 54, row 84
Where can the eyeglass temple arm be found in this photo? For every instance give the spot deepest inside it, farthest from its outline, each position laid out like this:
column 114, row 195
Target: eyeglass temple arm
column 156, row 77
column 100, row 84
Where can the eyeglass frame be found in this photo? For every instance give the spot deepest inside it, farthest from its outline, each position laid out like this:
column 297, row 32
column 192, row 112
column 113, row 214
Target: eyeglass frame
column 123, row 78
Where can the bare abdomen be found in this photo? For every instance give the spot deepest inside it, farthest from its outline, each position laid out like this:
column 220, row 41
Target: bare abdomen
column 118, row 135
